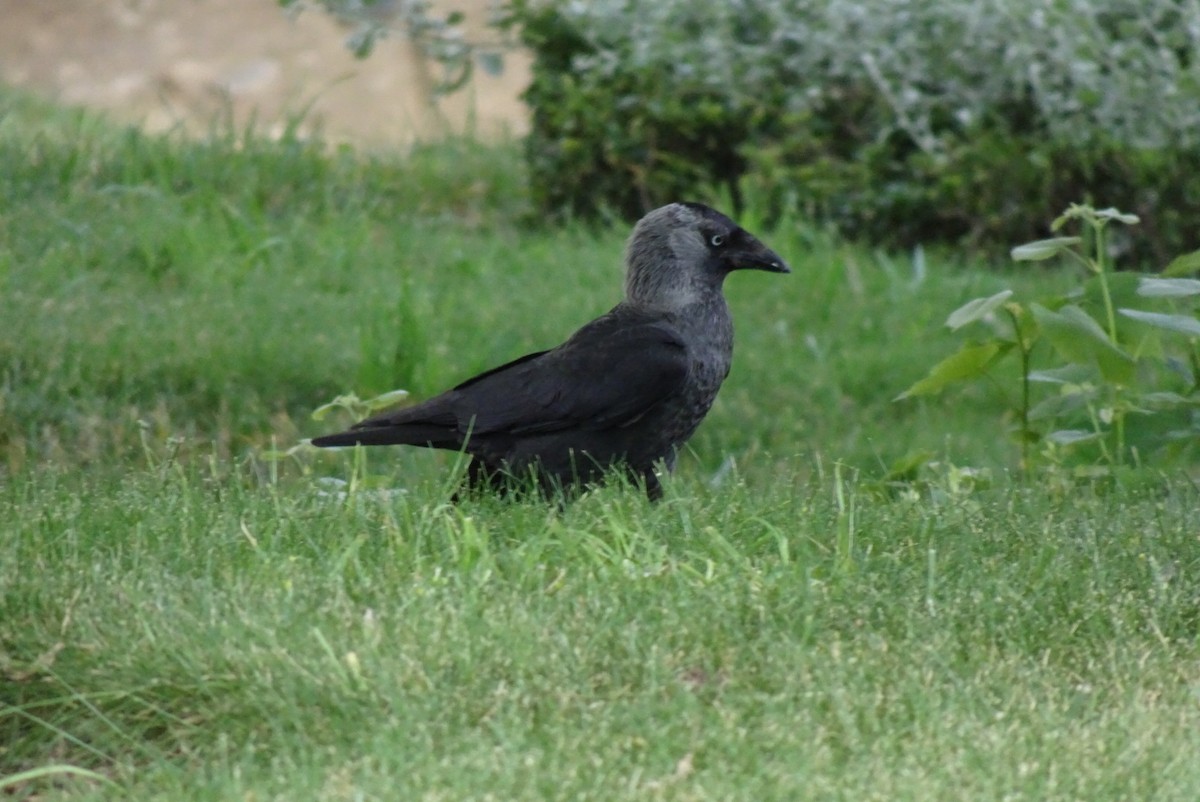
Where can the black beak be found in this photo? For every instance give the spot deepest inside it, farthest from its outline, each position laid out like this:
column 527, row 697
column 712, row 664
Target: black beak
column 747, row 253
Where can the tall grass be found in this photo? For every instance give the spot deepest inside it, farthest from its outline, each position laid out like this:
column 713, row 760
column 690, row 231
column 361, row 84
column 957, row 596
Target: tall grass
column 181, row 619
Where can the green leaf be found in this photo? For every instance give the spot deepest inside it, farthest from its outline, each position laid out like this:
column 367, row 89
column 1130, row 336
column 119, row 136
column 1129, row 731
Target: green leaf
column 1183, row 265
column 349, row 401
column 1079, row 338
column 1184, row 324
column 1043, row 248
column 1122, row 290
column 1166, row 400
column 1168, row 287
column 970, row 362
column 1072, row 320
column 906, row 468
column 1092, row 217
column 1067, row 374
column 976, row 309
column 1070, row 437
column 1058, row 405
column 42, row 772
column 1074, row 212
column 1114, row 214
column 386, row 400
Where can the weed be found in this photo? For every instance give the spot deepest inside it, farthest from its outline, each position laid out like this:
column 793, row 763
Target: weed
column 1125, row 361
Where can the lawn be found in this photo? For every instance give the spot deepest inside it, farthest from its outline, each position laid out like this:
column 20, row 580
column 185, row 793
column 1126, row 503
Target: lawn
column 183, row 617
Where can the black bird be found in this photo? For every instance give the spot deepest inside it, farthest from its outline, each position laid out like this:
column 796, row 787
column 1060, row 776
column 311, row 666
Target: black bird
column 626, row 390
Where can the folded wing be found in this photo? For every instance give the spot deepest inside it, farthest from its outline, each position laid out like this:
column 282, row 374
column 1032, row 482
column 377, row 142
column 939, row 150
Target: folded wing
column 609, row 374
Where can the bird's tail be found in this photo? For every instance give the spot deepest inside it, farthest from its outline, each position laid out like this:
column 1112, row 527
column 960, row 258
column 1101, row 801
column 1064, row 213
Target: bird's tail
column 410, row 435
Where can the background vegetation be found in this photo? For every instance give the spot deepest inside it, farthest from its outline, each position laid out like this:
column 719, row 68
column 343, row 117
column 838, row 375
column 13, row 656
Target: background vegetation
column 973, row 122
column 842, row 596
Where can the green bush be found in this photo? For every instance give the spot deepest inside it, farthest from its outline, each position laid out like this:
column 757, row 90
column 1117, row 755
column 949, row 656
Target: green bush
column 605, row 135
column 970, row 121
column 1125, row 385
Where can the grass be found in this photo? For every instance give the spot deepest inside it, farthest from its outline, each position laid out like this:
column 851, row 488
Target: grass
column 180, row 618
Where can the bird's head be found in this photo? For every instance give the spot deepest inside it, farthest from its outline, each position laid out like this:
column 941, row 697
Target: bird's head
column 681, row 250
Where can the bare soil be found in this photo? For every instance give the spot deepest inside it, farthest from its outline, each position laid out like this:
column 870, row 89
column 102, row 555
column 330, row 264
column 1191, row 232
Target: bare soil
column 166, row 64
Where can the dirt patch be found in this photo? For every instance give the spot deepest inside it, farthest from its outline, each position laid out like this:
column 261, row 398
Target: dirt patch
column 167, row 64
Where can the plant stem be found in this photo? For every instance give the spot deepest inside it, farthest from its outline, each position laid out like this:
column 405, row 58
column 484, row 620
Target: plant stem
column 1025, row 434
column 1102, row 271
column 1120, row 422
column 1098, row 428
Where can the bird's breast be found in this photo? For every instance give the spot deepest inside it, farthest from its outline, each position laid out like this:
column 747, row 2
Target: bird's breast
column 708, row 332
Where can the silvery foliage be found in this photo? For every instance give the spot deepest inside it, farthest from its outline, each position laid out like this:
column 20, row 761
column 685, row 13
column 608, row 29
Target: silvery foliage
column 440, row 37
column 1124, row 71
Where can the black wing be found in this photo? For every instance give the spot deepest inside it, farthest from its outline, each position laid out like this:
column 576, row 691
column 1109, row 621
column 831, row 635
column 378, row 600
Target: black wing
column 609, row 374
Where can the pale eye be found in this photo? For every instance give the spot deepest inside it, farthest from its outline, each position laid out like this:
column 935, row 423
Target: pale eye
column 717, row 240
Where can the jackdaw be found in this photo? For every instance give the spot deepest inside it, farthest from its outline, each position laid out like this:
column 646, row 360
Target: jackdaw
column 625, row 391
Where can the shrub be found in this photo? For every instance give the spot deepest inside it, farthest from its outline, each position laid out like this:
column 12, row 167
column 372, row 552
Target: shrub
column 903, row 121
column 1125, row 384
column 616, row 124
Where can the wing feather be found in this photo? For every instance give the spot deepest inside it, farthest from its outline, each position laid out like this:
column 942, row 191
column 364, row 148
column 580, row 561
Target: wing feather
column 605, row 376
column 608, row 374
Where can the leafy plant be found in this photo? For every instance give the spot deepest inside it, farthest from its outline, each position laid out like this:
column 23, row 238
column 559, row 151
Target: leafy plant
column 359, row 408
column 973, row 121
column 1125, row 350
column 352, row 407
column 441, row 39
